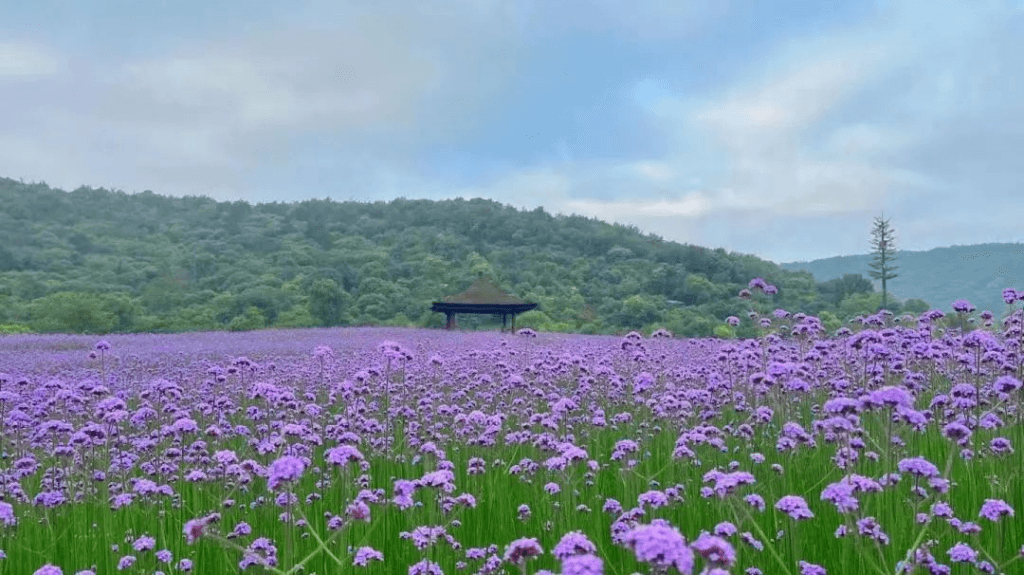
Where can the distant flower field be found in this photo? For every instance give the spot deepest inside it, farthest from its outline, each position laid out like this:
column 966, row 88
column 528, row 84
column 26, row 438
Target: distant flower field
column 890, row 449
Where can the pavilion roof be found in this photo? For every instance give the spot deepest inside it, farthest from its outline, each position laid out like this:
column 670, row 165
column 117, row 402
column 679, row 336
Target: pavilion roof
column 483, row 292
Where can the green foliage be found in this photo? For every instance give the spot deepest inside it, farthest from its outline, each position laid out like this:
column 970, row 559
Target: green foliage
column 915, row 306
column 859, row 304
column 535, row 320
column 249, row 320
column 69, row 312
column 399, row 320
column 724, row 331
column 830, row 322
column 327, row 302
column 13, row 328
column 181, row 264
column 296, row 316
column 637, row 311
column 431, row 319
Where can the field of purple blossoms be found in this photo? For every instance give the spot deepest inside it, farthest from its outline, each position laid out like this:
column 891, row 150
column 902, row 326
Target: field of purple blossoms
column 883, row 448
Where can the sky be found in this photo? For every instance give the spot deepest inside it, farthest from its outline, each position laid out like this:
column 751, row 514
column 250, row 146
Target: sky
column 775, row 128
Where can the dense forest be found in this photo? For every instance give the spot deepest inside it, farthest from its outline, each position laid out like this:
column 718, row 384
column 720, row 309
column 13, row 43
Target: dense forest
column 99, row 261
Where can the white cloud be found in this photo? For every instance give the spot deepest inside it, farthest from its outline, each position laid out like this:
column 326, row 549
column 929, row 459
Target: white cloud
column 655, row 171
column 691, row 205
column 26, row 61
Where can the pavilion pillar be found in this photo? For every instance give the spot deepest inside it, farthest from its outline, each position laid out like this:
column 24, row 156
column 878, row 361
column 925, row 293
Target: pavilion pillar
column 503, row 318
column 451, row 320
column 513, row 323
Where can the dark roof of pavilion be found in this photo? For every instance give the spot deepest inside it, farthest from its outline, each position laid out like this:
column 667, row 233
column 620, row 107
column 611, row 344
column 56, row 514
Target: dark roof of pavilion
column 483, row 292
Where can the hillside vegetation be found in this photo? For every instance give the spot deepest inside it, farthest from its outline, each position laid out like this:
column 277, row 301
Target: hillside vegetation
column 99, row 261
column 977, row 273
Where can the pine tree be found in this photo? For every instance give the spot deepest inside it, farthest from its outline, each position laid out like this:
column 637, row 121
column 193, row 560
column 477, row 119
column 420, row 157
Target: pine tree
column 883, row 240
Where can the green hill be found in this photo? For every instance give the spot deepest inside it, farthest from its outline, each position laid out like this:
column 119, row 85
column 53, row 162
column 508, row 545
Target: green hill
column 97, row 261
column 977, row 273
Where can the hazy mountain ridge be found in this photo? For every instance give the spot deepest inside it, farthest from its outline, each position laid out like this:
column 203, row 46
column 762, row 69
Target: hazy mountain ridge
column 977, row 273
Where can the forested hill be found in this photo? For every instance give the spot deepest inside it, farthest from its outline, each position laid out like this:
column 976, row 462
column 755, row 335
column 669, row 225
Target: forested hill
column 96, row 261
column 977, row 273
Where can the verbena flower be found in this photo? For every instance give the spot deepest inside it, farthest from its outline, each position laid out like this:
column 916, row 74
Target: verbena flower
column 962, row 553
column 811, row 569
column 660, row 546
column 573, row 543
column 794, row 506
column 714, row 550
column 522, row 549
column 918, row 466
column 7, row 517
column 364, row 555
column 582, row 565
column 995, row 509
column 284, row 470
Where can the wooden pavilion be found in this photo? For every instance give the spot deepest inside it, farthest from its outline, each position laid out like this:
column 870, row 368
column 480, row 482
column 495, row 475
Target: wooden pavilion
column 482, row 297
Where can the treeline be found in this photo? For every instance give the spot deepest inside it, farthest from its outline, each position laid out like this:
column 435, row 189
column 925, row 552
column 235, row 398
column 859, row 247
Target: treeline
column 101, row 261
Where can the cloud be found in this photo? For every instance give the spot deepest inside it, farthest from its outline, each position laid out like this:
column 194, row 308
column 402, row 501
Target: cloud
column 26, row 61
column 898, row 107
column 691, row 205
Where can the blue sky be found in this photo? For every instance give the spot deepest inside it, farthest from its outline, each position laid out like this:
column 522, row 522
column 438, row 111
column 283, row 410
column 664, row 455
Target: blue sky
column 779, row 129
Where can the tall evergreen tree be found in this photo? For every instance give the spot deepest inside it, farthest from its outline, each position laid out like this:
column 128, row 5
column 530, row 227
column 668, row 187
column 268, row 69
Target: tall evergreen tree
column 883, row 240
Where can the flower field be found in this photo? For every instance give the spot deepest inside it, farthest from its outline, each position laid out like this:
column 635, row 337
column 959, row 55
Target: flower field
column 888, row 448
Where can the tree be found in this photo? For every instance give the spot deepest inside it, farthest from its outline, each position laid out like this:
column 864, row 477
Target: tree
column 71, row 312
column 252, row 318
column 916, row 305
column 883, row 240
column 326, row 302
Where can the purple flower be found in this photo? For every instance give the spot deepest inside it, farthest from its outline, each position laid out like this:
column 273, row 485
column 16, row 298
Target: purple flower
column 811, row 569
column 365, row 554
column 962, row 553
column 653, row 498
column 1001, row 445
column 343, row 454
column 425, row 567
column 957, row 432
column 144, row 543
column 660, row 546
column 49, row 570
column 995, row 509
column 284, row 469
column 714, row 550
column 524, row 512
column 725, row 529
column 573, row 543
column 582, row 565
column 612, row 506
column 918, row 466
column 194, row 529
column 755, row 501
column 892, row 396
column 794, row 506
column 840, row 494
column 1007, row 384
column 962, row 305
column 7, row 514
column 521, row 549
column 126, row 562
column 1009, row 296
